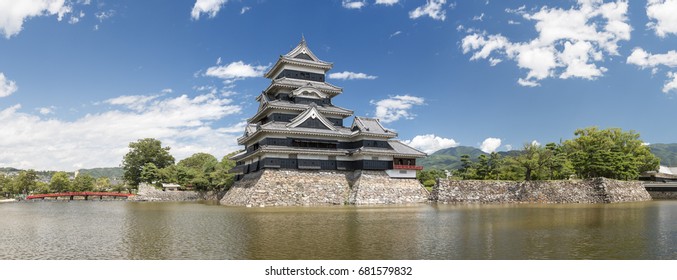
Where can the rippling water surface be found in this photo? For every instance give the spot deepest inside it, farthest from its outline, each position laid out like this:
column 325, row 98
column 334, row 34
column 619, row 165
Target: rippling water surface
column 144, row 230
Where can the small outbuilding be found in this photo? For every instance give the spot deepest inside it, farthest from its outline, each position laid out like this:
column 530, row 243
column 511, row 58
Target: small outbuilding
column 170, row 187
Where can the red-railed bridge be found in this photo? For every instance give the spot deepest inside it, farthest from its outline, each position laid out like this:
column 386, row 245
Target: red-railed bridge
column 86, row 195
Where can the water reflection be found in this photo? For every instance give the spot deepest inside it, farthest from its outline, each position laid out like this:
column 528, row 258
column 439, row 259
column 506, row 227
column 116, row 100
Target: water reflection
column 131, row 230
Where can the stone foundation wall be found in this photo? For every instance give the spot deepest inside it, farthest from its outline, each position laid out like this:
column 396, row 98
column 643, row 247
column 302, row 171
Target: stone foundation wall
column 599, row 190
column 270, row 187
column 663, row 195
column 376, row 187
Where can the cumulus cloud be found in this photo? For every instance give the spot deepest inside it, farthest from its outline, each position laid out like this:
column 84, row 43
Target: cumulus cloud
column 244, row 10
column 7, row 86
column 663, row 16
column 186, row 124
column 433, row 8
column 570, row 43
column 346, row 75
column 671, row 85
column 235, row 71
column 46, row 110
column 490, row 145
column 14, row 13
column 386, row 2
column 349, row 4
column 209, row 7
column 430, row 143
column 396, row 107
column 644, row 59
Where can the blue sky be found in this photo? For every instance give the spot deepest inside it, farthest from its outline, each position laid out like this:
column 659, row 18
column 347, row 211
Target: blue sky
column 81, row 79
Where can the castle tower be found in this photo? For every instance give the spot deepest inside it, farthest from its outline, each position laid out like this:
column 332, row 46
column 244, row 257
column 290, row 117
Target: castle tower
column 297, row 127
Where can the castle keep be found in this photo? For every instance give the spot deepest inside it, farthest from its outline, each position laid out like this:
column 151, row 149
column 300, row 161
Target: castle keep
column 298, row 131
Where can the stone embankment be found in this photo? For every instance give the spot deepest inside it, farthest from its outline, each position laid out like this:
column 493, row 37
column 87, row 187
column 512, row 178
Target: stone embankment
column 305, row 188
column 599, row 190
column 149, row 193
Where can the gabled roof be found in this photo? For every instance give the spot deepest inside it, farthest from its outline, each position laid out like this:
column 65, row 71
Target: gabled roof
column 369, row 126
column 300, row 55
column 308, row 114
column 301, row 51
column 286, row 105
column 292, row 83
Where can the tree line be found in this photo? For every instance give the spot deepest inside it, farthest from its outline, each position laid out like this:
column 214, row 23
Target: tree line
column 610, row 153
column 149, row 162
column 27, row 182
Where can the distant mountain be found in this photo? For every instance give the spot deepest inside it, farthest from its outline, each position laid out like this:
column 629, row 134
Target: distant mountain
column 450, row 158
column 666, row 152
column 110, row 172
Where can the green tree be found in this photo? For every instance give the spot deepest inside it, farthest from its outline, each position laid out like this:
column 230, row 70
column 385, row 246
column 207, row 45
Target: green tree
column 102, row 184
column 144, row 151
column 6, row 185
column 610, row 153
column 532, row 159
column 83, row 183
column 60, row 182
column 199, row 168
column 221, row 177
column 428, row 177
column 150, row 173
column 26, row 182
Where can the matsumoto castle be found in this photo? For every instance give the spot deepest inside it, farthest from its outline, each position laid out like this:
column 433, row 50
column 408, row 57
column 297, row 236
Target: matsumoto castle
column 297, row 127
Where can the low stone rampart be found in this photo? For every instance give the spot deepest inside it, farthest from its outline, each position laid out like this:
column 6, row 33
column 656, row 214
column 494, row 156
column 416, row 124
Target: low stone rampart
column 376, row 187
column 149, row 193
column 271, row 187
column 599, row 190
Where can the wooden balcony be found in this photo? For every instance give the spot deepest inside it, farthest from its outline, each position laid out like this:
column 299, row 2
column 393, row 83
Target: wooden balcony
column 408, row 167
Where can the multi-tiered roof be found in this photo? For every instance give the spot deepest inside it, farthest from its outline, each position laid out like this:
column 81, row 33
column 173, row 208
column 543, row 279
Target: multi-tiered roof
column 297, row 126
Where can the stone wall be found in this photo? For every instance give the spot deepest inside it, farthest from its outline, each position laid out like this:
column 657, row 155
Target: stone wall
column 149, row 193
column 271, row 187
column 376, row 187
column 599, row 190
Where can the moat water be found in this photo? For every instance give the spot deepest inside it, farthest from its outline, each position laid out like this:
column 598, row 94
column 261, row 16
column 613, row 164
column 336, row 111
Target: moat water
column 144, row 230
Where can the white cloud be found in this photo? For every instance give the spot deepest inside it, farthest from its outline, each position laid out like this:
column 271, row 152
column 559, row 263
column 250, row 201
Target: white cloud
column 570, row 43
column 76, row 18
column 349, row 4
column 186, row 124
column 512, row 22
column 508, row 147
column 433, row 8
column 46, row 110
column 346, row 75
column 244, row 10
column 7, row 86
column 671, row 85
column 490, row 145
column 209, row 7
column 386, row 2
column 535, row 143
column 430, row 143
column 104, row 15
column 644, row 59
column 235, row 71
column 396, row 33
column 663, row 16
column 396, row 107
column 478, row 18
column 14, row 13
